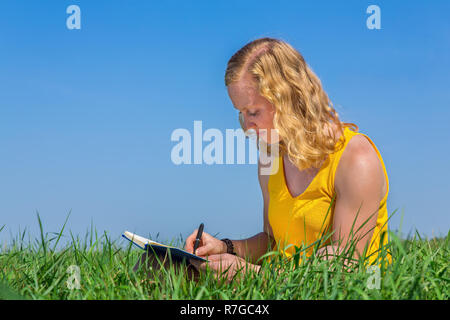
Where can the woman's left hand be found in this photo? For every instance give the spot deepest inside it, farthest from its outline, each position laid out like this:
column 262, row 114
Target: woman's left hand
column 225, row 265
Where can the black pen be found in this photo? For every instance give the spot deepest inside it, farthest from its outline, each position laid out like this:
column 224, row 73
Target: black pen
column 198, row 237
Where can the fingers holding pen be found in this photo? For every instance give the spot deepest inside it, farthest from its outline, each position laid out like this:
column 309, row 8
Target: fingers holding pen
column 189, row 246
column 208, row 244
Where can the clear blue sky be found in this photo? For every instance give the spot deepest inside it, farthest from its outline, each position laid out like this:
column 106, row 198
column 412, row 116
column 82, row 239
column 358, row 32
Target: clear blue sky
column 86, row 115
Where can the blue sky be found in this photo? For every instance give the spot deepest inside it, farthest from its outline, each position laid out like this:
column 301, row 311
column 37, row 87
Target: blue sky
column 86, row 115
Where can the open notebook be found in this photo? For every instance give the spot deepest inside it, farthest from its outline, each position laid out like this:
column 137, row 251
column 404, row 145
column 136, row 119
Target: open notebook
column 153, row 246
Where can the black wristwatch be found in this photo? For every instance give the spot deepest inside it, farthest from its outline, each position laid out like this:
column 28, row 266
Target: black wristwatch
column 230, row 247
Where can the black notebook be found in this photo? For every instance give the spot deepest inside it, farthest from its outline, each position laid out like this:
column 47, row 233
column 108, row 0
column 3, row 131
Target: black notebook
column 152, row 246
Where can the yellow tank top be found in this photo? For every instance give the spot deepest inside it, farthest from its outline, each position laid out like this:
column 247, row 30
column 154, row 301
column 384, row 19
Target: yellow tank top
column 300, row 221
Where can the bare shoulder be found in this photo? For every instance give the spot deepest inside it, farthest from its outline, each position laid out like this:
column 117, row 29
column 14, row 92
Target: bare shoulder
column 359, row 149
column 360, row 167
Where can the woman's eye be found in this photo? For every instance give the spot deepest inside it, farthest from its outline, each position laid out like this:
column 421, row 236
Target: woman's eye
column 253, row 114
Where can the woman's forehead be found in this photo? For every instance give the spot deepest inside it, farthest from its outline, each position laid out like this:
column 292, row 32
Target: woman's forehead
column 242, row 95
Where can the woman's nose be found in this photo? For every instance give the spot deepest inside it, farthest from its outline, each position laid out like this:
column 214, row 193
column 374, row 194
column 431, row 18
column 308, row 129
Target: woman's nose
column 245, row 125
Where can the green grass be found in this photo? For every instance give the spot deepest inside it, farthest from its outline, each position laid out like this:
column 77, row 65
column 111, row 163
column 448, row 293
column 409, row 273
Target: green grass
column 39, row 270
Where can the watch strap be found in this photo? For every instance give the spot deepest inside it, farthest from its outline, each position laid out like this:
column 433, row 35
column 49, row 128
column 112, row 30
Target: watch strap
column 230, row 247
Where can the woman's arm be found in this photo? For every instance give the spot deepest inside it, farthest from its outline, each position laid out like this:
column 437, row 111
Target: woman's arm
column 252, row 248
column 360, row 186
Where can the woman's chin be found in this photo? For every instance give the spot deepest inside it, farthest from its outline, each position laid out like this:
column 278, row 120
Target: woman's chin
column 262, row 137
column 268, row 140
column 251, row 133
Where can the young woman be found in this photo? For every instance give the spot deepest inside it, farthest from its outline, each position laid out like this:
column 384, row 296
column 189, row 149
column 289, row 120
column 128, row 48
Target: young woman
column 330, row 179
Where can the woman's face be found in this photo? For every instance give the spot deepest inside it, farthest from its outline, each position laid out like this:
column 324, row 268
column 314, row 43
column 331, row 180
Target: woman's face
column 256, row 110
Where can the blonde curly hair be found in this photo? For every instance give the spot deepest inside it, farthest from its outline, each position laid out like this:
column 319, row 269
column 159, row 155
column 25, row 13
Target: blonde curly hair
column 303, row 111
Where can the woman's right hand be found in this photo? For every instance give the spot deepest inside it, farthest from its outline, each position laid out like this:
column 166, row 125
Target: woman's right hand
column 208, row 245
